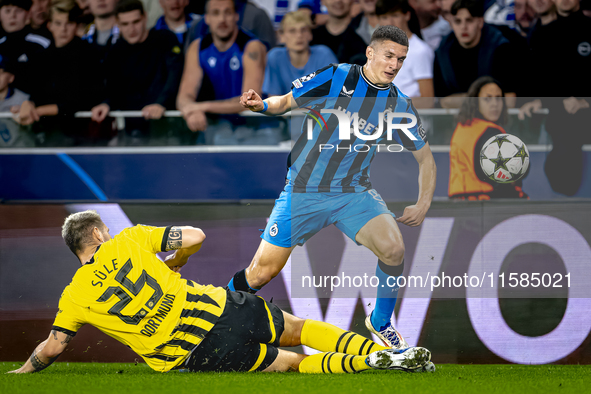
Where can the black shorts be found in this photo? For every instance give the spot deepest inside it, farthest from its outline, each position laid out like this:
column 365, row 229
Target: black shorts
column 245, row 338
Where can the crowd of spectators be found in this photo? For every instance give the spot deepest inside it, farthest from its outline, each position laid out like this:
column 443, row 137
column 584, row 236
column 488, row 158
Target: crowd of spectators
column 58, row 57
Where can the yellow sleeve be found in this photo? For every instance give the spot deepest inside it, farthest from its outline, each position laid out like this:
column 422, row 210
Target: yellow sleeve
column 69, row 317
column 154, row 238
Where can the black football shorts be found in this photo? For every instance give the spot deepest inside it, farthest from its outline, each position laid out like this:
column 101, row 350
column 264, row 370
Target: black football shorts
column 245, row 337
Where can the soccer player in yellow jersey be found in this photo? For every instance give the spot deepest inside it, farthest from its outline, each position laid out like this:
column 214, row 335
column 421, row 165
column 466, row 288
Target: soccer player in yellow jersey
column 127, row 292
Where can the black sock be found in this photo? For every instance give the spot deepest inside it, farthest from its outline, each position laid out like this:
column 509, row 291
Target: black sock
column 239, row 282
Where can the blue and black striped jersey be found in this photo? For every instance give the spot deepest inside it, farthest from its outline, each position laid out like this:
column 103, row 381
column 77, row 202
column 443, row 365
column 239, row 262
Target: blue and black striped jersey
column 323, row 162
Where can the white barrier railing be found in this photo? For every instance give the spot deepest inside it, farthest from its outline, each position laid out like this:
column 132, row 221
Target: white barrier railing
column 177, row 114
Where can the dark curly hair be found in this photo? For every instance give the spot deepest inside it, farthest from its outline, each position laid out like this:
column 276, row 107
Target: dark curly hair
column 469, row 109
column 474, row 7
column 384, row 7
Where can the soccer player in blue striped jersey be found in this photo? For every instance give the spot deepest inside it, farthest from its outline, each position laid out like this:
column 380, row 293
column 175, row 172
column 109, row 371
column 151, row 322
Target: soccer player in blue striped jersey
column 328, row 170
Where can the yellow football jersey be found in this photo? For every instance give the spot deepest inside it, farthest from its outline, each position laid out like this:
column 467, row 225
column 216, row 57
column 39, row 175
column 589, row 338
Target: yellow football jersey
column 128, row 293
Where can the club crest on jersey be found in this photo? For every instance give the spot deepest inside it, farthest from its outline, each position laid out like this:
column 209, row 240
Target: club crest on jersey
column 234, row 63
column 273, row 230
column 584, row 49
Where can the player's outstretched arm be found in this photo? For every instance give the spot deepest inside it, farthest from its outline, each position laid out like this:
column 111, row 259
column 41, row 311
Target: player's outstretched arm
column 186, row 241
column 276, row 105
column 46, row 353
column 415, row 214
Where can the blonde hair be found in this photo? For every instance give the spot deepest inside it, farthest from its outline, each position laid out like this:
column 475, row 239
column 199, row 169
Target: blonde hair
column 78, row 227
column 295, row 17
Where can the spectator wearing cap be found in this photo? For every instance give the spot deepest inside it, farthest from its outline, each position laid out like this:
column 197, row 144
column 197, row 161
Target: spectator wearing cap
column 19, row 43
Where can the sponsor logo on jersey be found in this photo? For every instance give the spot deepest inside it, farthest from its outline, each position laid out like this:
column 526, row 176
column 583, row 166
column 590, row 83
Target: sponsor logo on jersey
column 212, row 61
column 347, row 93
column 153, row 324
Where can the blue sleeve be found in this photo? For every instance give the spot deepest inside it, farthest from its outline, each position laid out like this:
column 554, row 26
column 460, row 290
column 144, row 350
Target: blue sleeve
column 404, row 104
column 310, row 88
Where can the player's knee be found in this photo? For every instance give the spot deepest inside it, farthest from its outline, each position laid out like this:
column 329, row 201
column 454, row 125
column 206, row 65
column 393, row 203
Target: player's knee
column 393, row 255
column 292, row 332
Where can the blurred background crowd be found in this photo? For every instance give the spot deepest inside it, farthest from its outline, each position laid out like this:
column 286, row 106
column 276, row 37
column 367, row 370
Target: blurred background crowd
column 61, row 57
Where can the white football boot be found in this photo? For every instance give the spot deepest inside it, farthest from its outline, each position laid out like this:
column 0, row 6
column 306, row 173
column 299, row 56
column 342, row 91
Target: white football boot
column 429, row 367
column 409, row 359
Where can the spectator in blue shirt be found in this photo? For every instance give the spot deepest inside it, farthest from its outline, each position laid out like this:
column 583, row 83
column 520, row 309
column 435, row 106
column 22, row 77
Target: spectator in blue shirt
column 224, row 63
column 297, row 58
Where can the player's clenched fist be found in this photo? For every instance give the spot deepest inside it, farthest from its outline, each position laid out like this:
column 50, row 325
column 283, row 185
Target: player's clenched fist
column 412, row 216
column 252, row 101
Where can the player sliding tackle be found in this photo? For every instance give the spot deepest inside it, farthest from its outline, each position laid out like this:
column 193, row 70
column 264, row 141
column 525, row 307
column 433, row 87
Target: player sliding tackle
column 125, row 291
column 330, row 186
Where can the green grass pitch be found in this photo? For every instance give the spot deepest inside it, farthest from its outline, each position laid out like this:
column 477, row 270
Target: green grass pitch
column 114, row 378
